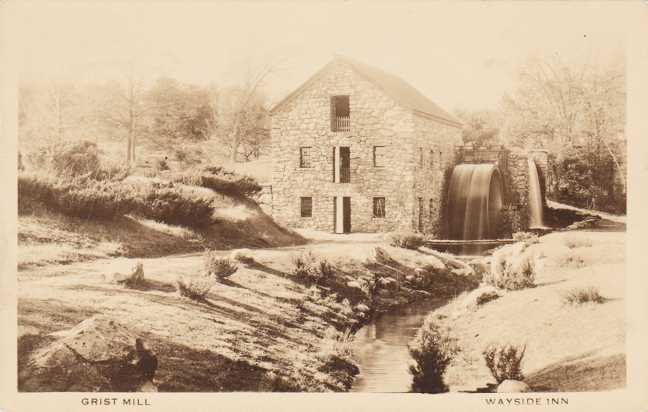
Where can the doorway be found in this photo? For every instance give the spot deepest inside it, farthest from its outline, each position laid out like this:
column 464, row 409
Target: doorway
column 342, row 214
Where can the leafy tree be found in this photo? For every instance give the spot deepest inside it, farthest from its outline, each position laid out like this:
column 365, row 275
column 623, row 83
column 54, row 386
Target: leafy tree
column 481, row 128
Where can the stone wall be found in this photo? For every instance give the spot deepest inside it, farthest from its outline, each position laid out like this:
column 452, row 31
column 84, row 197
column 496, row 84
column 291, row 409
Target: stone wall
column 436, row 142
column 376, row 120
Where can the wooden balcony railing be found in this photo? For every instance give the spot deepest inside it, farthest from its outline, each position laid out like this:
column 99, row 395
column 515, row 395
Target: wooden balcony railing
column 341, row 124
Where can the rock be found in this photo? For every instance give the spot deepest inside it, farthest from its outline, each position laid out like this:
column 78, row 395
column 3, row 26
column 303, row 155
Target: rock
column 361, row 307
column 435, row 263
column 98, row 354
column 513, row 386
column 388, row 283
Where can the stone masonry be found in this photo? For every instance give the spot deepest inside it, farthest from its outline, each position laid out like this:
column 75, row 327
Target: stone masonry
column 418, row 150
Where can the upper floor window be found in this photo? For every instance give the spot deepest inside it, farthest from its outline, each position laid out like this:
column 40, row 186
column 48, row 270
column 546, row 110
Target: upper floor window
column 431, row 158
column 305, row 157
column 420, row 160
column 379, row 156
column 378, row 207
column 340, row 114
column 306, row 206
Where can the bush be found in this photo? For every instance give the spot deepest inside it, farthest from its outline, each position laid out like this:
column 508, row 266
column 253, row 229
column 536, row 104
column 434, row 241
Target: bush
column 218, row 267
column 75, row 159
column 406, row 240
column 171, row 205
column 86, row 199
column 432, row 350
column 579, row 296
column 103, row 199
column 220, row 180
column 504, row 361
column 510, row 275
column 194, row 289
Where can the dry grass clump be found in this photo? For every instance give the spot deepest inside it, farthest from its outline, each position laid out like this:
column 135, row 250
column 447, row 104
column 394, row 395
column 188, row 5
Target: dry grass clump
column 136, row 278
column 194, row 288
column 505, row 361
column 311, row 269
column 574, row 242
column 406, row 240
column 218, row 267
column 578, row 296
column 510, row 275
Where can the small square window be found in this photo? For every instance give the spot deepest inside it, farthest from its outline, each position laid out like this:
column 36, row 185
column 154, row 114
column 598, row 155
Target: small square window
column 306, row 206
column 379, row 207
column 379, row 156
column 305, row 157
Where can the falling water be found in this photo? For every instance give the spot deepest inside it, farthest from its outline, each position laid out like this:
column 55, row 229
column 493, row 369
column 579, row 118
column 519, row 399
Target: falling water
column 474, row 201
column 535, row 198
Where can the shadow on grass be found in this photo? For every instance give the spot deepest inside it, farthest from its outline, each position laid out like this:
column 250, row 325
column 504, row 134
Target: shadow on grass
column 581, row 374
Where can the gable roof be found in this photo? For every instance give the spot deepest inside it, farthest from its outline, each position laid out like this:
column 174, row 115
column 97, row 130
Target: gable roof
column 393, row 86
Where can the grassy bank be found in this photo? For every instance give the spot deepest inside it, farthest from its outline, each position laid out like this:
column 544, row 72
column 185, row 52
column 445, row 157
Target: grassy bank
column 261, row 329
column 571, row 344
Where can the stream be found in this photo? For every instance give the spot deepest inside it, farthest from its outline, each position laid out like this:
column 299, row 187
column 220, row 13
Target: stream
column 381, row 348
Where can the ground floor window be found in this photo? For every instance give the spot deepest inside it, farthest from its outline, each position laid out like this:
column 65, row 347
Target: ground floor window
column 378, row 207
column 306, row 206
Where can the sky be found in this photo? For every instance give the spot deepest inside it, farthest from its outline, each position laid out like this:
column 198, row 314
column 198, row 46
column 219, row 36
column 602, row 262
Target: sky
column 461, row 55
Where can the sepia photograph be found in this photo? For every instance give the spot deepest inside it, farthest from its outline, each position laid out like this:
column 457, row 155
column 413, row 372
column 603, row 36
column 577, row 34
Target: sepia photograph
column 404, row 198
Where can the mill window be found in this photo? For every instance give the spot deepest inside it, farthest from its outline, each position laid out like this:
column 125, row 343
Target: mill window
column 305, row 157
column 340, row 114
column 379, row 156
column 379, row 207
column 306, row 206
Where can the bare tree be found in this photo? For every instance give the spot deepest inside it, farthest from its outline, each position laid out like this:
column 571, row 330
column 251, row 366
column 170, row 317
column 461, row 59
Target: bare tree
column 244, row 104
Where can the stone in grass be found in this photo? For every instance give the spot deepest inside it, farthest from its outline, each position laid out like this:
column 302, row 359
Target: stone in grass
column 513, row 386
column 135, row 278
column 98, row 354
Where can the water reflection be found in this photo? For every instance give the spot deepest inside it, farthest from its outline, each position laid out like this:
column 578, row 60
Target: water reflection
column 381, row 348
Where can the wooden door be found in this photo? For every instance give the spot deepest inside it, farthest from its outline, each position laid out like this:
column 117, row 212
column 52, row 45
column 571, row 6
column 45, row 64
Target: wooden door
column 346, row 223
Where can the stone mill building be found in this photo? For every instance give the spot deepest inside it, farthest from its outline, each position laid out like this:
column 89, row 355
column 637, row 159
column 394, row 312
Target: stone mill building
column 356, row 149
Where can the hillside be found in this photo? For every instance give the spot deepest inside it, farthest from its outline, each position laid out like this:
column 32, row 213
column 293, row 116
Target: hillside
column 45, row 236
column 569, row 347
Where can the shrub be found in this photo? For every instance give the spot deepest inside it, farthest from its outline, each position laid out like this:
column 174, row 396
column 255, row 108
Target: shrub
column 505, row 274
column 194, row 289
column 103, row 199
column 504, row 361
column 75, row 159
column 579, row 296
column 171, row 205
column 86, row 199
column 406, row 240
column 220, row 180
column 220, row 268
column 433, row 349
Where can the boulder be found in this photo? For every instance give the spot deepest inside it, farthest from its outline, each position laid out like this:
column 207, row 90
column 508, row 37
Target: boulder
column 98, row 354
column 513, row 386
column 435, row 263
